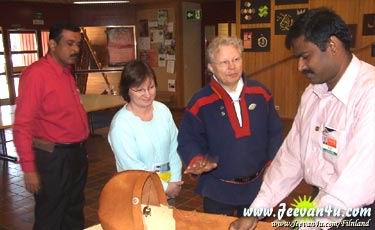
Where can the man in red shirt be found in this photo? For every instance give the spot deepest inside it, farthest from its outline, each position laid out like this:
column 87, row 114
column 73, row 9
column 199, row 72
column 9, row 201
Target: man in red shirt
column 49, row 130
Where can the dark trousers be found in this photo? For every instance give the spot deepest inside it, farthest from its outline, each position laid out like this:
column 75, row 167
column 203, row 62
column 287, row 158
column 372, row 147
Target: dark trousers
column 60, row 201
column 215, row 207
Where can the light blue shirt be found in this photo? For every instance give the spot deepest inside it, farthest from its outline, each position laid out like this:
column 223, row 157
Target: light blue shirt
column 143, row 145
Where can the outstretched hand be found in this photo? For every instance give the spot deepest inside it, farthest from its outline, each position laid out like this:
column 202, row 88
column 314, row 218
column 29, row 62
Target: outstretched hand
column 203, row 165
column 173, row 189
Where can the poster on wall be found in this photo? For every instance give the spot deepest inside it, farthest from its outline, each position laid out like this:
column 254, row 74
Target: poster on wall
column 120, row 45
column 287, row 2
column 368, row 24
column 256, row 39
column 255, row 11
column 284, row 19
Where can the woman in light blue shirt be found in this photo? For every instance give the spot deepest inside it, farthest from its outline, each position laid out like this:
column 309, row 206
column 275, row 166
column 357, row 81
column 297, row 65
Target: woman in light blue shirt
column 143, row 135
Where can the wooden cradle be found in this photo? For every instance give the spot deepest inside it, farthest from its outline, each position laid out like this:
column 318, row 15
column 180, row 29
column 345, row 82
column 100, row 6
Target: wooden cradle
column 122, row 197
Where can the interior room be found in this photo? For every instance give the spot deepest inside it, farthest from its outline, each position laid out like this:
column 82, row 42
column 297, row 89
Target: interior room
column 172, row 37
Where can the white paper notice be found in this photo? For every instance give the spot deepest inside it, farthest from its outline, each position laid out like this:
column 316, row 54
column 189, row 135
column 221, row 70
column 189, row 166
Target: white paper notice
column 171, row 57
column 171, row 85
column 152, row 24
column 161, row 60
column 144, row 43
column 157, row 36
column 170, row 66
column 170, row 27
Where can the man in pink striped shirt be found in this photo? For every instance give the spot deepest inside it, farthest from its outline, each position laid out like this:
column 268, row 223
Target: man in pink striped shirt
column 332, row 141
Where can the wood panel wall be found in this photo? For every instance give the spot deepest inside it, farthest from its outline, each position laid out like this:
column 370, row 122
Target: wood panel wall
column 277, row 69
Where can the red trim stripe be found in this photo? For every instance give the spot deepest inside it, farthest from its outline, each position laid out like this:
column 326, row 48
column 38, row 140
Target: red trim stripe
column 202, row 102
column 229, row 107
column 258, row 90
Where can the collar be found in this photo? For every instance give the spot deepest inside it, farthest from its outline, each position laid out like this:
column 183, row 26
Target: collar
column 233, row 94
column 343, row 87
column 59, row 69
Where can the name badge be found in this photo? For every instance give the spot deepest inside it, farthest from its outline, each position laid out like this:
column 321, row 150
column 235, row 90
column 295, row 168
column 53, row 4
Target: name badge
column 329, row 141
column 163, row 170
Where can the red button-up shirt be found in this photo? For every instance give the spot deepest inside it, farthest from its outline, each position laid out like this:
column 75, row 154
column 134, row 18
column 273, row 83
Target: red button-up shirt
column 48, row 107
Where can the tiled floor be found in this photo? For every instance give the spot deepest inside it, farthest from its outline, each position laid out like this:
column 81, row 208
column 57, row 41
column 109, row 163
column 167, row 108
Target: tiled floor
column 16, row 204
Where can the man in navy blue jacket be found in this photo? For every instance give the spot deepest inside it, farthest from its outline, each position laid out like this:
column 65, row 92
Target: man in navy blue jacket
column 229, row 133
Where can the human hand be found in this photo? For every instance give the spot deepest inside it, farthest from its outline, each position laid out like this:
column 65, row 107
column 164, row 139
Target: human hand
column 32, row 182
column 205, row 164
column 174, row 189
column 244, row 223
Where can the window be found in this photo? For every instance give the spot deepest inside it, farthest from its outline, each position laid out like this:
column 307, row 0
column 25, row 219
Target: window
column 24, row 51
column 45, row 36
column 4, row 93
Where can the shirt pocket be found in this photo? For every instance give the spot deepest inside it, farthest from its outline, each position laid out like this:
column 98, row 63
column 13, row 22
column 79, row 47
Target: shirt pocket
column 333, row 143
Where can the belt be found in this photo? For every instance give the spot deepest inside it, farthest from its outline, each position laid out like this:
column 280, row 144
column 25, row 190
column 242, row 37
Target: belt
column 70, row 145
column 245, row 179
column 50, row 146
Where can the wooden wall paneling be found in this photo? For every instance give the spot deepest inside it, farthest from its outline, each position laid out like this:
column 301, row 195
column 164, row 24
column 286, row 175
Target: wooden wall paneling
column 277, row 69
column 103, row 14
column 21, row 15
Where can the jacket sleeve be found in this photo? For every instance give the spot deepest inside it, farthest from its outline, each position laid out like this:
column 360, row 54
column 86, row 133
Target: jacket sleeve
column 275, row 131
column 174, row 158
column 192, row 139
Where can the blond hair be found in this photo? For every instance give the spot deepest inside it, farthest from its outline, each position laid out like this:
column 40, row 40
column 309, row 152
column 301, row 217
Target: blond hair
column 218, row 42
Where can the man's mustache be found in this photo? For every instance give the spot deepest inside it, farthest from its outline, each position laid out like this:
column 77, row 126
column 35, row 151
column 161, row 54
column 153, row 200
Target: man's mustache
column 307, row 71
column 76, row 55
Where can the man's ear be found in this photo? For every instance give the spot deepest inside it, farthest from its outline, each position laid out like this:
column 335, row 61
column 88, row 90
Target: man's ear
column 333, row 44
column 52, row 44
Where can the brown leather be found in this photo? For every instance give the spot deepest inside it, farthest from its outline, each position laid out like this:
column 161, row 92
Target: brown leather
column 43, row 145
column 119, row 209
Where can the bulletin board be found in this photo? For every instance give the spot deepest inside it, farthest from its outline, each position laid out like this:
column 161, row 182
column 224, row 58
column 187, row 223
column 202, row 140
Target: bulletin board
column 156, row 44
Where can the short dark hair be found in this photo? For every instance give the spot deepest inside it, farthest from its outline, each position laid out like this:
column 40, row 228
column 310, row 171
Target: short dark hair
column 56, row 30
column 135, row 72
column 317, row 26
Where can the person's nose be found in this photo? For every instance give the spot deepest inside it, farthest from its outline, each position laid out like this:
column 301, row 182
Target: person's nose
column 76, row 48
column 147, row 93
column 301, row 64
column 231, row 65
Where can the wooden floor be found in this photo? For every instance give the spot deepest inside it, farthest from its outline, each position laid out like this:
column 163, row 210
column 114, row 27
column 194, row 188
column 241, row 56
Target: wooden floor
column 16, row 204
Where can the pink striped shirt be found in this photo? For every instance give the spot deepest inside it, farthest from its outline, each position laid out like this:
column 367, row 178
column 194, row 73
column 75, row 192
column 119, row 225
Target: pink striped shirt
column 343, row 167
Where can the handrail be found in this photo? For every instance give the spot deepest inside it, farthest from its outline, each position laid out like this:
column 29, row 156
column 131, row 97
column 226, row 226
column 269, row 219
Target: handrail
column 291, row 57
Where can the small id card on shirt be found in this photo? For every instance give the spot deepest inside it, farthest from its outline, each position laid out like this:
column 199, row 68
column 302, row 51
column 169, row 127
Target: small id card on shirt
column 163, row 170
column 329, row 141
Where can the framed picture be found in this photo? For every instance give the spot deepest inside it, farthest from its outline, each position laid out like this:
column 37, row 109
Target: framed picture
column 255, row 11
column 368, row 24
column 120, row 44
column 256, row 39
column 284, row 19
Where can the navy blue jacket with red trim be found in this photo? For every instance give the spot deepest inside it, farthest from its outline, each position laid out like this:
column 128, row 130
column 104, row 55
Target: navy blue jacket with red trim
column 210, row 127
